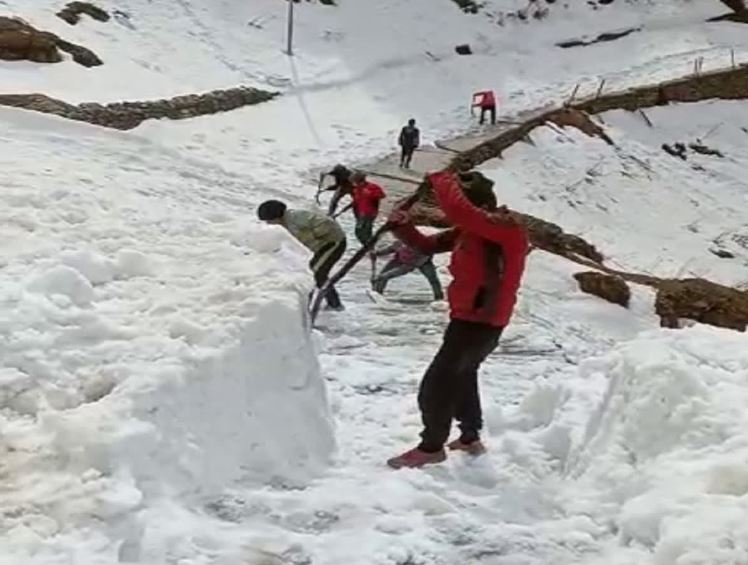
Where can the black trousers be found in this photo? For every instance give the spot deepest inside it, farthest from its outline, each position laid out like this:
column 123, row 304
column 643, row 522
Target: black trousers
column 449, row 389
column 491, row 110
column 364, row 228
column 321, row 263
column 406, row 154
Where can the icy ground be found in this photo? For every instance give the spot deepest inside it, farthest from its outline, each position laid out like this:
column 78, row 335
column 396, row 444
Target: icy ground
column 161, row 401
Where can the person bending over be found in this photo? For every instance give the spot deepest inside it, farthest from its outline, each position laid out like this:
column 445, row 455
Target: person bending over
column 317, row 232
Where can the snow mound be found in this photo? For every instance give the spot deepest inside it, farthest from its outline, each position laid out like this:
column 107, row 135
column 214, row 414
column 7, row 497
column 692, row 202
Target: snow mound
column 64, row 281
column 665, row 453
column 151, row 358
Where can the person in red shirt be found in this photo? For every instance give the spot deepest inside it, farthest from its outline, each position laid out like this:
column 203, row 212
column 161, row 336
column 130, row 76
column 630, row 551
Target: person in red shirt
column 487, row 103
column 366, row 198
column 489, row 247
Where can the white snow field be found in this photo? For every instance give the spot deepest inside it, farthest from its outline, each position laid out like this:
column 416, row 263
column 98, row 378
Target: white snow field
column 162, row 398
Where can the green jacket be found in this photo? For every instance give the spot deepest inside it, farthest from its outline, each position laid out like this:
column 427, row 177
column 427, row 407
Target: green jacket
column 313, row 229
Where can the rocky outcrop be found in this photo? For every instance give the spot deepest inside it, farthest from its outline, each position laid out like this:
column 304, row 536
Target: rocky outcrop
column 72, row 12
column 608, row 287
column 702, row 301
column 127, row 115
column 20, row 41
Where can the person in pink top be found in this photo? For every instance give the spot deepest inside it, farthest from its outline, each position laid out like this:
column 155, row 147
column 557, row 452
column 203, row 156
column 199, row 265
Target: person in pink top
column 486, row 103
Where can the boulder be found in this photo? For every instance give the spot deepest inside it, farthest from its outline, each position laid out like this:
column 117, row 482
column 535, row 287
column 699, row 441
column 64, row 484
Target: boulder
column 19, row 41
column 72, row 12
column 702, row 301
column 608, row 287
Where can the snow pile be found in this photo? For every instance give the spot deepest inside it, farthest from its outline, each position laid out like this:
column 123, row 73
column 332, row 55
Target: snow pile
column 154, row 343
column 665, row 457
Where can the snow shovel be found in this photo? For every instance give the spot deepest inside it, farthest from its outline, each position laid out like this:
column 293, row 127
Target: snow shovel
column 316, row 301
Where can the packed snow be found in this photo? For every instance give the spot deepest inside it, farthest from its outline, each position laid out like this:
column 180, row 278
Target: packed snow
column 163, row 399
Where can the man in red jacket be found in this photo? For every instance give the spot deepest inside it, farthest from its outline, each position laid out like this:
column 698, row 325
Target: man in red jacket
column 488, row 258
column 366, row 198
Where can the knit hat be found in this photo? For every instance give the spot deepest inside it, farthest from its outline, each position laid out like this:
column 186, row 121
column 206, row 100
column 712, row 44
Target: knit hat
column 478, row 189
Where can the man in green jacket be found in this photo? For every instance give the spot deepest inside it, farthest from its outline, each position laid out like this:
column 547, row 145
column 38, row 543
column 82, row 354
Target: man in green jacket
column 317, row 232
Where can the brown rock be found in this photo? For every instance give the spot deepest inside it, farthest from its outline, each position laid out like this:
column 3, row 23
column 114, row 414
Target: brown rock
column 608, row 287
column 19, row 41
column 702, row 301
column 80, row 54
column 72, row 12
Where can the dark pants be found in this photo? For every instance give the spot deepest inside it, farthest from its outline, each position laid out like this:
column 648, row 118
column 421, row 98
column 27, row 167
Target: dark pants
column 321, row 264
column 395, row 268
column 492, row 110
column 406, row 154
column 449, row 388
column 364, row 228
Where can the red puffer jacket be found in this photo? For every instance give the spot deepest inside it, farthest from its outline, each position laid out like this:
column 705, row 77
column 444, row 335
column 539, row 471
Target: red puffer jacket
column 488, row 255
column 487, row 99
column 366, row 197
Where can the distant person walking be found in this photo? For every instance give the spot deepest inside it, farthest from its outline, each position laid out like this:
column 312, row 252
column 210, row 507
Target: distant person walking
column 410, row 139
column 316, row 231
column 366, row 198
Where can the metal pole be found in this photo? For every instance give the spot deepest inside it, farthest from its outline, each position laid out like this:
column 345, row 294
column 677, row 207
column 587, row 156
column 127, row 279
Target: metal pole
column 289, row 33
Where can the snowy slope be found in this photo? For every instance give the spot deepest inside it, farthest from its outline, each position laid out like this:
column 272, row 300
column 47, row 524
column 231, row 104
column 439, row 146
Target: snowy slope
column 162, row 401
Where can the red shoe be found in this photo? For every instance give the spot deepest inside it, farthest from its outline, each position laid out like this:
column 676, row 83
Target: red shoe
column 415, row 458
column 473, row 448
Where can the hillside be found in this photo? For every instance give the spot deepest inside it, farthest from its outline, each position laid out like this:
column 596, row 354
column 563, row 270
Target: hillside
column 163, row 400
